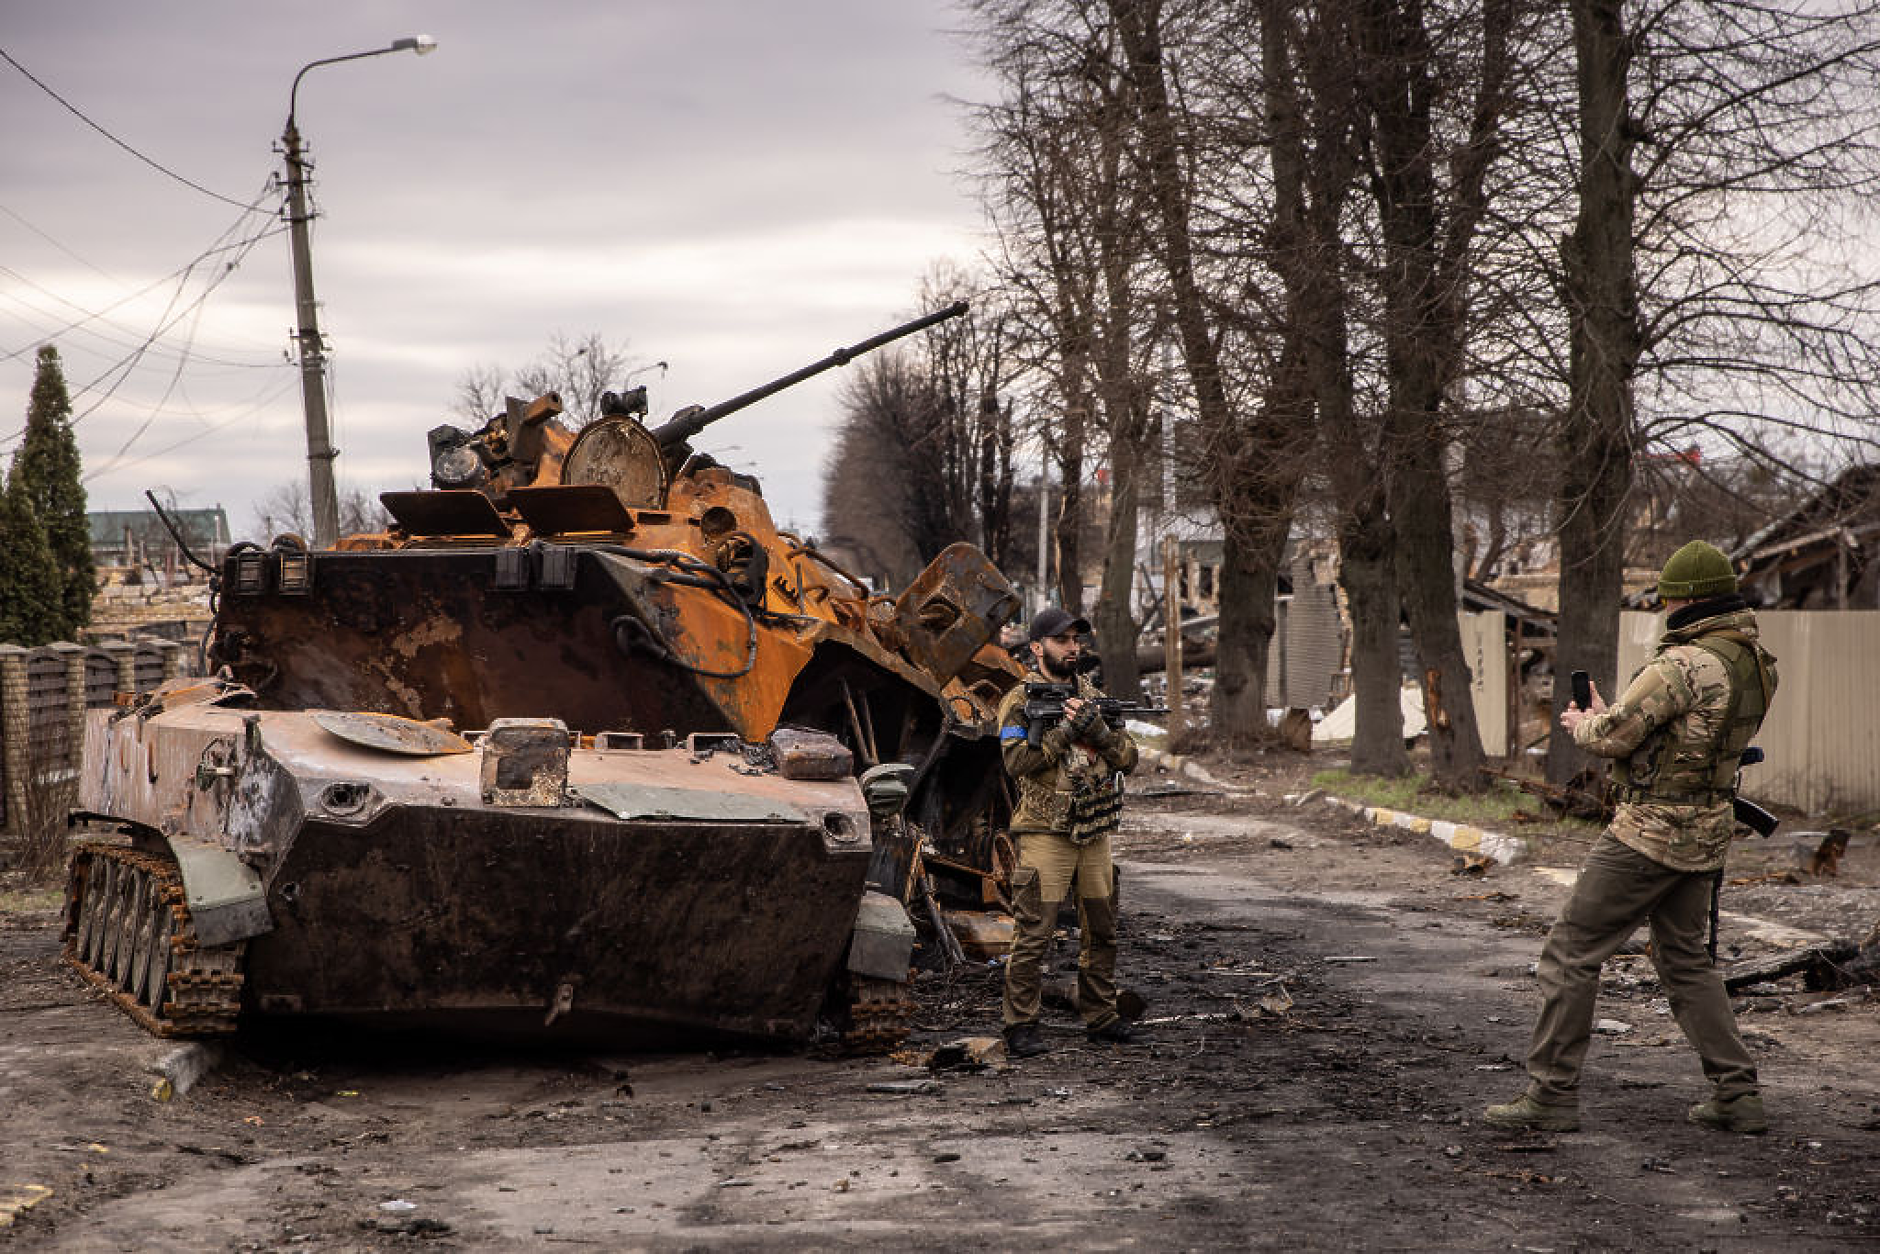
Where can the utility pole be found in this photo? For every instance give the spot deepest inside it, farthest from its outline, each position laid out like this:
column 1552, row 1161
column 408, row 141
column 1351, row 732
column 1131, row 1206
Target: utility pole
column 323, row 493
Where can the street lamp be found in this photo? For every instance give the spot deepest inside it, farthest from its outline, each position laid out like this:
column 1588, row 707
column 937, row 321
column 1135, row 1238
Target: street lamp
column 320, row 450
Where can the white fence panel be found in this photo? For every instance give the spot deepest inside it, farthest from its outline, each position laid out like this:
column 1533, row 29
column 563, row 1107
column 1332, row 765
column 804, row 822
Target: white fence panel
column 1823, row 734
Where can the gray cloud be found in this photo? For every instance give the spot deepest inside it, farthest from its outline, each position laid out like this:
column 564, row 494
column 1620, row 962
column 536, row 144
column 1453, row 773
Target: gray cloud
column 734, row 188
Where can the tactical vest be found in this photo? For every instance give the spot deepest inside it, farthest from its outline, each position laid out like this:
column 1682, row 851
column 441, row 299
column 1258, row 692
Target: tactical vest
column 1080, row 805
column 1671, row 770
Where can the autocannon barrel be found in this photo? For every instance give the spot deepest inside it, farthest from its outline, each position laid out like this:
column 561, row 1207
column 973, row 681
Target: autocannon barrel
column 693, row 419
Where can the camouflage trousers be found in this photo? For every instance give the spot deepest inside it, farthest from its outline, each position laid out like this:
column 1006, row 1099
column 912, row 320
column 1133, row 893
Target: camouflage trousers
column 1047, row 867
column 1618, row 889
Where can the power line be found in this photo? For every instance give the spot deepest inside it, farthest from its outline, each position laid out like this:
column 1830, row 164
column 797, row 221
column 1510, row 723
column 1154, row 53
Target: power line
column 124, row 365
column 101, row 315
column 74, row 111
column 256, row 407
column 56, row 244
column 259, row 404
column 129, row 362
column 118, row 340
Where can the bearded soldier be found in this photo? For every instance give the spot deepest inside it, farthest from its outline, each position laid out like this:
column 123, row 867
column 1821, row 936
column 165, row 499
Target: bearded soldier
column 1677, row 733
column 1069, row 796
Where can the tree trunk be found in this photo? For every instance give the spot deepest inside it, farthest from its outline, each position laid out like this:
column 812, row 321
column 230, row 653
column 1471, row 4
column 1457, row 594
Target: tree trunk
column 995, row 478
column 1309, row 90
column 1249, row 586
column 1425, row 282
column 1367, row 572
column 1255, row 474
column 1115, row 624
column 1425, row 549
column 1606, row 341
column 1067, row 536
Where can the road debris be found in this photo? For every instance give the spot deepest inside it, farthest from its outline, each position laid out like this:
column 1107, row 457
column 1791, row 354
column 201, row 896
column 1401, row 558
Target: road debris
column 1819, row 965
column 981, row 936
column 178, row 1071
column 19, row 1198
column 972, row 1053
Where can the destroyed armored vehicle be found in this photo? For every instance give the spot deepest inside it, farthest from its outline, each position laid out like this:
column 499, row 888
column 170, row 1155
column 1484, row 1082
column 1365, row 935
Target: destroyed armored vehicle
column 583, row 745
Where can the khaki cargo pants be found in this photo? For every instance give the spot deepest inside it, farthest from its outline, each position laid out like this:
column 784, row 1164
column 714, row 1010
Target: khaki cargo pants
column 1618, row 889
column 1047, row 866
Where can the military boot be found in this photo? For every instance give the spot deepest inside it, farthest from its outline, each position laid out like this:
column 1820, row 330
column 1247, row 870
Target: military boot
column 1024, row 1040
column 1526, row 1114
column 1116, row 1032
column 1739, row 1114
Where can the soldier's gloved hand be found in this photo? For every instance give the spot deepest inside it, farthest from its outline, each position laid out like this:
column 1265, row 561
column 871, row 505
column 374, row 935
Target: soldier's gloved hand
column 1083, row 724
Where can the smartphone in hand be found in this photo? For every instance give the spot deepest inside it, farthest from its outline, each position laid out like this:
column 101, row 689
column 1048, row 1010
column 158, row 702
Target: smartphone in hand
column 1582, row 690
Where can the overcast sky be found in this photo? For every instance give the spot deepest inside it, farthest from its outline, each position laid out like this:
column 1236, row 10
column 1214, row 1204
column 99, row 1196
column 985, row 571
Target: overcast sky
column 733, row 188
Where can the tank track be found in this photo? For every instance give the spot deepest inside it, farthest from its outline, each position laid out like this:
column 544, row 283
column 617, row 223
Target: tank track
column 128, row 932
column 881, row 1014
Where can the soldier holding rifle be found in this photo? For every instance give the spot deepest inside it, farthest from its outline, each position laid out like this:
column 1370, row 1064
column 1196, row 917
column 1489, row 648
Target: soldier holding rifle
column 1677, row 734
column 1070, row 793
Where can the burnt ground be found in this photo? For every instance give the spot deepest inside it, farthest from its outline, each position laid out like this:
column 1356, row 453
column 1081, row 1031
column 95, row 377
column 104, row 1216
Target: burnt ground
column 1331, row 1006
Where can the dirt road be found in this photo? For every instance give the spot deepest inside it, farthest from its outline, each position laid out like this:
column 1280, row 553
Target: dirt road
column 1331, row 1008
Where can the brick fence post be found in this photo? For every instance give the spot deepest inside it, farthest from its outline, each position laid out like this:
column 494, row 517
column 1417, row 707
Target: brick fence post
column 16, row 733
column 124, row 653
column 175, row 656
column 74, row 657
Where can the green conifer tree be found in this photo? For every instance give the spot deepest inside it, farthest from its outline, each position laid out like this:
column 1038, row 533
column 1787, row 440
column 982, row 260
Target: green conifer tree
column 30, row 586
column 48, row 464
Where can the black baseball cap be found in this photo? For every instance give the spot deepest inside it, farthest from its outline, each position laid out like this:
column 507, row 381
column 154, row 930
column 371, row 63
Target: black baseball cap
column 1053, row 621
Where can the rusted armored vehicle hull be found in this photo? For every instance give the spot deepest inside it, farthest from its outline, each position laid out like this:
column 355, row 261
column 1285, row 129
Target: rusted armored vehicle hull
column 522, row 888
column 653, row 822
column 609, row 637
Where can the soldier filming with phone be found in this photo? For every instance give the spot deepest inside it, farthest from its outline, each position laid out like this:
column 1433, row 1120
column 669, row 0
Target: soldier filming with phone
column 1677, row 734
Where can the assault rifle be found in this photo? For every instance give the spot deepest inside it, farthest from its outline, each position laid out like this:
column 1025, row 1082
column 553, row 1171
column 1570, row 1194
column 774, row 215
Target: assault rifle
column 1750, row 815
column 1044, row 708
column 1747, row 812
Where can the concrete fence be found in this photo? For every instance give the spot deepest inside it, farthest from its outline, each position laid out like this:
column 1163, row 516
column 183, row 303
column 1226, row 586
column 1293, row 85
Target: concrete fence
column 44, row 693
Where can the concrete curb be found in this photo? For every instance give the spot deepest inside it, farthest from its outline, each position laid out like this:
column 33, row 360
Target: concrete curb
column 1460, row 837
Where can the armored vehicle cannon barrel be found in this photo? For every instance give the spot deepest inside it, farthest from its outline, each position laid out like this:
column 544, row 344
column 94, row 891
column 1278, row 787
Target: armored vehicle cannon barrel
column 693, row 419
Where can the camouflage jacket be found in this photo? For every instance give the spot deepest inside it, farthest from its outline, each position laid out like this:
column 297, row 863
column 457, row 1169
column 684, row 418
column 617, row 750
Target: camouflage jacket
column 1672, row 727
column 1052, row 772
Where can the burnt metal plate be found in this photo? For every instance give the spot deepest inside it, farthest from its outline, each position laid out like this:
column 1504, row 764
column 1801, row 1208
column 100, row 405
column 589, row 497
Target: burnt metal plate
column 445, row 513
column 620, row 454
column 390, row 733
column 553, row 511
column 643, row 801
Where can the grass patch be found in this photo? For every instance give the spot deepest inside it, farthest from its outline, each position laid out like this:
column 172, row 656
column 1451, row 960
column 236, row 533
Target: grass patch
column 15, row 899
column 1502, row 806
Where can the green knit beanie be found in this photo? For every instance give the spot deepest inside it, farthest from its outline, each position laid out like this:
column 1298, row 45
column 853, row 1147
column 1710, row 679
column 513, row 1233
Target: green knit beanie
column 1696, row 570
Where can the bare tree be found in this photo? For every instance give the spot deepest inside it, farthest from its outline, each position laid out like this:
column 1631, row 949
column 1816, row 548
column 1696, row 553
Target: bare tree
column 284, row 510
column 1717, row 280
column 579, row 368
column 969, row 368
column 1050, row 61
column 1255, row 445
column 1309, row 87
column 885, row 491
column 480, row 392
column 1427, row 225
